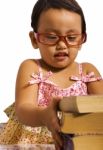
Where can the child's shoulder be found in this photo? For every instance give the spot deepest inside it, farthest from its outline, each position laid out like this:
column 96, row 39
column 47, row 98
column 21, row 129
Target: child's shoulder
column 29, row 62
column 28, row 65
column 89, row 67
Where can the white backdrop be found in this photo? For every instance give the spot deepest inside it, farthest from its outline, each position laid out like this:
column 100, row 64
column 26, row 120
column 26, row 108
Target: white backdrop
column 15, row 45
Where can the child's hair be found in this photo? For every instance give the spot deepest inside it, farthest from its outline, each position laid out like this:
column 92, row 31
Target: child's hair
column 43, row 5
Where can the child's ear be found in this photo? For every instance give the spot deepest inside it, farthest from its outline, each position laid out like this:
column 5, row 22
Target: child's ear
column 33, row 39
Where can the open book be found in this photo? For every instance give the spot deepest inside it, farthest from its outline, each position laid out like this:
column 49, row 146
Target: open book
column 82, row 104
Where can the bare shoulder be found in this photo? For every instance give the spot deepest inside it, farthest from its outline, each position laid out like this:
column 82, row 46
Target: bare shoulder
column 27, row 67
column 88, row 67
column 29, row 64
column 94, row 87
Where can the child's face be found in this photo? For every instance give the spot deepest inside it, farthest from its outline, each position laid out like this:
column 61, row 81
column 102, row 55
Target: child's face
column 59, row 22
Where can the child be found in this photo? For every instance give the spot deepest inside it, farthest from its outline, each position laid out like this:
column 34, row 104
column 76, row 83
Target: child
column 59, row 30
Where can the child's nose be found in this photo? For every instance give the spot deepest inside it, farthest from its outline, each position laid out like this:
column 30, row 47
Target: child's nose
column 62, row 44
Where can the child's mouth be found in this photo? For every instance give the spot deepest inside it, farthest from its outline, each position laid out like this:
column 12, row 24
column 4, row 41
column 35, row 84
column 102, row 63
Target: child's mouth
column 61, row 55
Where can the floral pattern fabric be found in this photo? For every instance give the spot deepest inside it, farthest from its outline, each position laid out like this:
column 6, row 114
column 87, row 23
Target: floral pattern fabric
column 16, row 133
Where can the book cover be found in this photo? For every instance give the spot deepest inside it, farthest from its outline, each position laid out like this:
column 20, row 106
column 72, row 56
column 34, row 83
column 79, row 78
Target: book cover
column 82, row 104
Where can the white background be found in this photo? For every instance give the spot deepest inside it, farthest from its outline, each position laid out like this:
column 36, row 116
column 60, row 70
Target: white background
column 15, row 45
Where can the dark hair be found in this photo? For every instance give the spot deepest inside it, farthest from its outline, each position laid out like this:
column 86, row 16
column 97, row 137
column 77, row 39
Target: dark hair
column 43, row 5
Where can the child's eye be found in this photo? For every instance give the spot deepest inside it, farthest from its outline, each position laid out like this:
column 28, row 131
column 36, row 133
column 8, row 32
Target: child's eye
column 51, row 37
column 71, row 38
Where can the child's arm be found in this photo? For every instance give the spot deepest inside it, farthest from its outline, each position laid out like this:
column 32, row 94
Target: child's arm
column 26, row 95
column 27, row 109
column 95, row 87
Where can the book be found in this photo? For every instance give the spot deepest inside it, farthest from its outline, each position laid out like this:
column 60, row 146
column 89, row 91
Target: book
column 82, row 114
column 82, row 104
column 87, row 129
column 81, row 124
column 88, row 142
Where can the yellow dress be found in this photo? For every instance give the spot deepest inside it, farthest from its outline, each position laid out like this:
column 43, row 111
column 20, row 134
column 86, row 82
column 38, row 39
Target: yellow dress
column 16, row 133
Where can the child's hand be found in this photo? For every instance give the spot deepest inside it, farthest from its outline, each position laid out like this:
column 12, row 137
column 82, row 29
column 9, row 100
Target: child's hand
column 52, row 122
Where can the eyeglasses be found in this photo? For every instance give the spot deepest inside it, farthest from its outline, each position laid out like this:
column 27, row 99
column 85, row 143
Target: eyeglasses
column 52, row 39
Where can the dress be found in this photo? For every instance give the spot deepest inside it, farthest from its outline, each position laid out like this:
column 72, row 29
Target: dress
column 16, row 133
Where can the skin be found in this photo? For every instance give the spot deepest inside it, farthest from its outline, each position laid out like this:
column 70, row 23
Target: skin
column 60, row 22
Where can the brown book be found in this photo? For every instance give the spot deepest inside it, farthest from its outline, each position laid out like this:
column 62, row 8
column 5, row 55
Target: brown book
column 82, row 104
column 82, row 114
column 81, row 124
column 88, row 142
column 87, row 128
